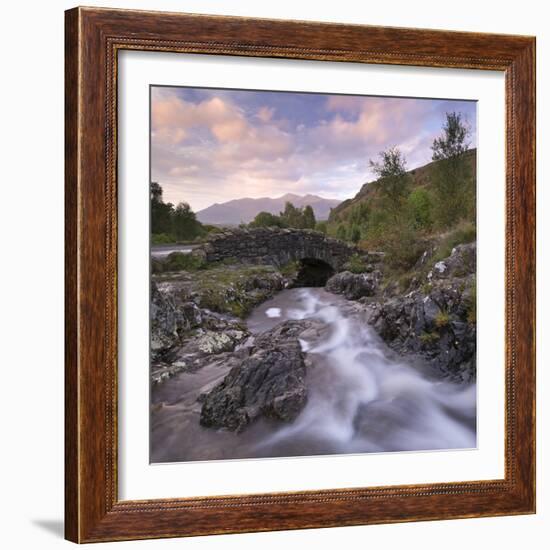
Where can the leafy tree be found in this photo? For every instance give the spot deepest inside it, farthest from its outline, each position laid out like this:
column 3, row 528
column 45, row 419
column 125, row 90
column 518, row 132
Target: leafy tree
column 354, row 234
column 169, row 224
column 266, row 219
column 393, row 180
column 341, row 232
column 161, row 212
column 186, row 226
column 321, row 226
column 420, row 205
column 453, row 185
column 292, row 216
column 453, row 142
column 308, row 217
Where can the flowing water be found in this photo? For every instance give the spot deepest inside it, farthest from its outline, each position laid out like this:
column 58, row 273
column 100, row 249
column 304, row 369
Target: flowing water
column 361, row 397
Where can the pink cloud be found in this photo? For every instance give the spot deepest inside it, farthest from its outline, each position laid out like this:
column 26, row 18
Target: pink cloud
column 173, row 117
column 265, row 114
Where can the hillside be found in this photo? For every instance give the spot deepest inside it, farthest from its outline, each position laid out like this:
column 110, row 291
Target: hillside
column 244, row 210
column 420, row 177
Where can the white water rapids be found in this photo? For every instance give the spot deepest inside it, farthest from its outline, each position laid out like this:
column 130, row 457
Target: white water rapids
column 361, row 396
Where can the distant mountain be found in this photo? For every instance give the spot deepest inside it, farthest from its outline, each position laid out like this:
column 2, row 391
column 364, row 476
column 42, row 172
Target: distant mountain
column 245, row 210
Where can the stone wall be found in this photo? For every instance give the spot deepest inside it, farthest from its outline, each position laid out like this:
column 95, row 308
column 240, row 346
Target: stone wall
column 275, row 246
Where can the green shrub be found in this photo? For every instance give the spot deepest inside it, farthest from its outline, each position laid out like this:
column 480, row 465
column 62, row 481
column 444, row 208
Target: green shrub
column 178, row 261
column 356, row 264
column 463, row 233
column 321, row 226
column 403, row 246
column 162, row 238
column 442, row 319
column 420, row 205
column 290, row 269
column 429, row 337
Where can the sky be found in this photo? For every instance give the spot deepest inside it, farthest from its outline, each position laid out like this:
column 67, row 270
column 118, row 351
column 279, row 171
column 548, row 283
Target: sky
column 212, row 145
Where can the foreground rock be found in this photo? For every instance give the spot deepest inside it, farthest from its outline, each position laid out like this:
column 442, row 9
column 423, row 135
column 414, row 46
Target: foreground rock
column 171, row 318
column 354, row 285
column 437, row 318
column 198, row 315
column 269, row 382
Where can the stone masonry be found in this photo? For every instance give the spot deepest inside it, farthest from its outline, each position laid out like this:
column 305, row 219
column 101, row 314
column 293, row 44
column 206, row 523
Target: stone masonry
column 275, row 246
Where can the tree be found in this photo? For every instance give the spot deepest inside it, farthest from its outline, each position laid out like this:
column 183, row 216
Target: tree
column 266, row 219
column 321, row 226
column 452, row 143
column 185, row 224
column 354, row 234
column 420, row 206
column 454, row 192
column 292, row 216
column 341, row 232
column 393, row 180
column 161, row 212
column 308, row 217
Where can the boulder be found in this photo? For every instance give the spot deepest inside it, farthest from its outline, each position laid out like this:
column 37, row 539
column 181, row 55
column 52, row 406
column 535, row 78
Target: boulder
column 436, row 320
column 460, row 263
column 354, row 285
column 269, row 382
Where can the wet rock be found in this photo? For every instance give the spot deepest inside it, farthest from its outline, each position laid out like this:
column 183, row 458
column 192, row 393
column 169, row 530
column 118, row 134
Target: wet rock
column 354, row 285
column 269, row 382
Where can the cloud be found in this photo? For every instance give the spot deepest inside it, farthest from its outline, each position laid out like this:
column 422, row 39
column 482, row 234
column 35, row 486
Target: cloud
column 212, row 146
column 265, row 114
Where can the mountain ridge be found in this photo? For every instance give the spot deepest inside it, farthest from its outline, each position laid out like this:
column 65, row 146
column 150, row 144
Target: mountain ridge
column 244, row 210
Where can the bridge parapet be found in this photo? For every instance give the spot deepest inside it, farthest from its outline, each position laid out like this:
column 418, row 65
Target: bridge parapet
column 275, row 246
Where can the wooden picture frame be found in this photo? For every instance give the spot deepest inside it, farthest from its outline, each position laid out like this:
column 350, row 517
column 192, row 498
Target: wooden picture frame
column 93, row 511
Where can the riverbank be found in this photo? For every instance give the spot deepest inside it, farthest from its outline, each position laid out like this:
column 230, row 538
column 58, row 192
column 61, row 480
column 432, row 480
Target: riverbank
column 243, row 365
column 312, row 378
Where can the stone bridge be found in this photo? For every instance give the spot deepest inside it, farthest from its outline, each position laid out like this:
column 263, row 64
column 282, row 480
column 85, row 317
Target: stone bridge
column 276, row 246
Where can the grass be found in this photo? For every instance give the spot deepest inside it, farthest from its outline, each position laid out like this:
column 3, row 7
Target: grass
column 162, row 238
column 178, row 261
column 232, row 290
column 290, row 269
column 426, row 288
column 463, row 233
column 429, row 337
column 356, row 264
column 442, row 319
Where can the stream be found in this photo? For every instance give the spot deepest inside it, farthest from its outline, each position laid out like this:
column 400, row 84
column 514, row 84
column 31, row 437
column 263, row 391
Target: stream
column 362, row 398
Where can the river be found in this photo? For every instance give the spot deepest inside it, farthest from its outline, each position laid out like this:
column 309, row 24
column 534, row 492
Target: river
column 362, row 398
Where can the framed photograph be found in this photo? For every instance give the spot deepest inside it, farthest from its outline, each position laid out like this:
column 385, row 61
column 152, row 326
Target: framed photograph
column 300, row 275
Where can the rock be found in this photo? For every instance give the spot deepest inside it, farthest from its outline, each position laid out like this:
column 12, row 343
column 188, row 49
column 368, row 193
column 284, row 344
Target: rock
column 434, row 321
column 170, row 319
column 216, row 342
column 269, row 382
column 354, row 285
column 460, row 263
